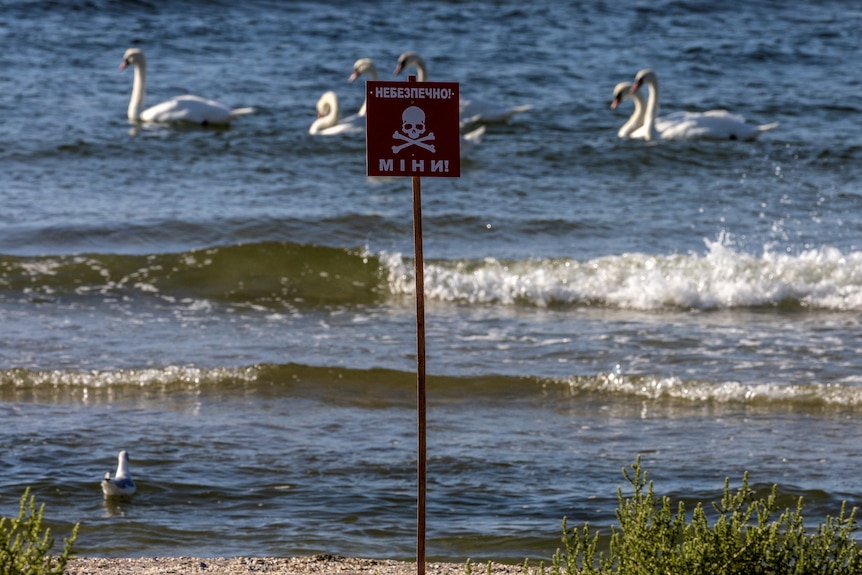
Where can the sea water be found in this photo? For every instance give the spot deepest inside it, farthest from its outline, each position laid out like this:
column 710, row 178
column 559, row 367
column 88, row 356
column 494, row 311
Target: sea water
column 235, row 307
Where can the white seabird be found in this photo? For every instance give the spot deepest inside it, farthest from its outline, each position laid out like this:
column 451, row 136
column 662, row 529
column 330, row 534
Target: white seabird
column 122, row 483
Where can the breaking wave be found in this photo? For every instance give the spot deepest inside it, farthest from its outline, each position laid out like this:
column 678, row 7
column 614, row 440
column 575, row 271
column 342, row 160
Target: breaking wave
column 274, row 275
column 385, row 388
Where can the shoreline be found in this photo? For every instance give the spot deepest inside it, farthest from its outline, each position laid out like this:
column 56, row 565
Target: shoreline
column 310, row 565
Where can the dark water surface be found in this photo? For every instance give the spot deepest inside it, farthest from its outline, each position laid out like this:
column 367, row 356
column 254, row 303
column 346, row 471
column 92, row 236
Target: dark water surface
column 235, row 306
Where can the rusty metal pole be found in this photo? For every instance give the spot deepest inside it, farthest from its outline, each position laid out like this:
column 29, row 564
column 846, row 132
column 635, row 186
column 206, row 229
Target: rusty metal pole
column 420, row 374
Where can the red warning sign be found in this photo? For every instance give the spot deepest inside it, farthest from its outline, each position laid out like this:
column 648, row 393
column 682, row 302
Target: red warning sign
column 412, row 129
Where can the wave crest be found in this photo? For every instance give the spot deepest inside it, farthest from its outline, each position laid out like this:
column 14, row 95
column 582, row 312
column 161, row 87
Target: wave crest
column 277, row 275
column 722, row 278
column 383, row 388
column 848, row 394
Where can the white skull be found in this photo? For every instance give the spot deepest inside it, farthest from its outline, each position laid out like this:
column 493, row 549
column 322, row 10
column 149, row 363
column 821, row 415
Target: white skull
column 413, row 122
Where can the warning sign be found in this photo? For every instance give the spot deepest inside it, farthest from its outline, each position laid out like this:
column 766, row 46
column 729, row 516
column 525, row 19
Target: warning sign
column 412, row 129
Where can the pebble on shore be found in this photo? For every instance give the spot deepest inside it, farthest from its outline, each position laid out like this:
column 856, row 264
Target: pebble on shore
column 312, row 565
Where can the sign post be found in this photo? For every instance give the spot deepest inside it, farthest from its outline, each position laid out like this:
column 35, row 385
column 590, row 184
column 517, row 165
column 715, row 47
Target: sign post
column 412, row 130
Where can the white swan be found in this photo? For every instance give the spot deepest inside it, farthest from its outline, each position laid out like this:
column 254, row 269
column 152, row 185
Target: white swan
column 192, row 109
column 470, row 111
column 329, row 121
column 363, row 67
column 121, row 483
column 623, row 92
column 634, row 127
column 711, row 125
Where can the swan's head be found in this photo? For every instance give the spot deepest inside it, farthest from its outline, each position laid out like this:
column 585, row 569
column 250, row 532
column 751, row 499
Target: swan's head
column 645, row 76
column 363, row 66
column 133, row 57
column 408, row 59
column 622, row 91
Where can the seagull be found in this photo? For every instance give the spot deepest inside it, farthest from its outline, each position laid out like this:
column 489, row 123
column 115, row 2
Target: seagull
column 122, row 483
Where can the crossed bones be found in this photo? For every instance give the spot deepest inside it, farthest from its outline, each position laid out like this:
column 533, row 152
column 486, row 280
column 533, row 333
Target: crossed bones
column 410, row 142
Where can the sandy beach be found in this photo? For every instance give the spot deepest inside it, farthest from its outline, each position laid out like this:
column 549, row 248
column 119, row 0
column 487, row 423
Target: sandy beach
column 312, row 565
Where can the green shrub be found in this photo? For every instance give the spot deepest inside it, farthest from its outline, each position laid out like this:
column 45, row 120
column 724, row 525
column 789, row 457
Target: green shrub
column 654, row 539
column 25, row 545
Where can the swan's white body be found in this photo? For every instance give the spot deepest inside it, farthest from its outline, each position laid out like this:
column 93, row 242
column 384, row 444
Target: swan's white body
column 329, row 121
column 470, row 140
column 187, row 108
column 121, row 483
column 711, row 125
column 470, row 111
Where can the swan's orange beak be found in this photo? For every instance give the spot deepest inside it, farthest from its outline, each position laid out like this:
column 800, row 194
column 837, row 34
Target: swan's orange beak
column 635, row 87
column 123, row 65
column 353, row 76
column 614, row 103
column 398, row 69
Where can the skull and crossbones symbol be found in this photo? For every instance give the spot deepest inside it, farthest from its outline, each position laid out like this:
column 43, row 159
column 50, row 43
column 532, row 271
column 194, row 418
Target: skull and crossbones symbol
column 413, row 126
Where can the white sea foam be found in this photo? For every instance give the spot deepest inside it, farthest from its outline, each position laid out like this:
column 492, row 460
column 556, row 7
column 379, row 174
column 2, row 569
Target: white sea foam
column 845, row 394
column 720, row 278
column 155, row 377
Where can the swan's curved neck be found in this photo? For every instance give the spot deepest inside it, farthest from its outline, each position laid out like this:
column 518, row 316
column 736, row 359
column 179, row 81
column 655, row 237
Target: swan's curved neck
column 372, row 74
column 421, row 72
column 139, row 91
column 332, row 111
column 327, row 113
column 362, row 108
column 651, row 107
column 636, row 120
column 365, row 67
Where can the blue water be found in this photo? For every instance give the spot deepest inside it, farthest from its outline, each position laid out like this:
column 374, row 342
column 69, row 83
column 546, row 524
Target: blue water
column 235, row 307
